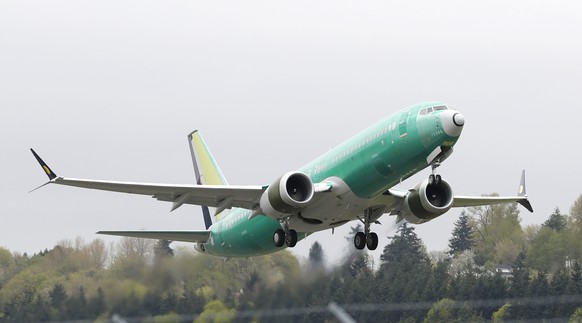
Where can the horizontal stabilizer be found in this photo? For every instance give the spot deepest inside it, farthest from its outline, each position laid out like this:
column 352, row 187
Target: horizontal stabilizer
column 183, row 236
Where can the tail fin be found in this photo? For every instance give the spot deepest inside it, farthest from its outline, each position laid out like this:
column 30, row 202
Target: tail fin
column 205, row 167
column 203, row 160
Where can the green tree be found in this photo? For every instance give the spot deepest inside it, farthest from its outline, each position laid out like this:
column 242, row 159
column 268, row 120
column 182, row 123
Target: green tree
column 446, row 310
column 539, row 288
column 215, row 311
column 58, row 297
column 162, row 249
column 316, row 256
column 404, row 272
column 556, row 221
column 168, row 318
column 548, row 250
column 502, row 314
column 575, row 283
column 462, row 237
column 499, row 236
column 96, row 305
column 576, row 317
column 576, row 209
column 438, row 282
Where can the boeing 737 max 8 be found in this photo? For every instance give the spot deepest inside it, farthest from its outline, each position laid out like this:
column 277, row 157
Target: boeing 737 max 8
column 354, row 180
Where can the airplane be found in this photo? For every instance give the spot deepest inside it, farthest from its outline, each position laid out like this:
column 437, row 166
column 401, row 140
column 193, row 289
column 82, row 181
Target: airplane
column 354, row 181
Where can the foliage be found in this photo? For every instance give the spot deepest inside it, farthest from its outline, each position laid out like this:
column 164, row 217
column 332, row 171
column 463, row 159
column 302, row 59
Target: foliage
column 316, row 256
column 462, row 238
column 147, row 281
column 215, row 311
column 447, row 310
column 499, row 237
column 576, row 209
column 576, row 317
column 502, row 314
column 556, row 221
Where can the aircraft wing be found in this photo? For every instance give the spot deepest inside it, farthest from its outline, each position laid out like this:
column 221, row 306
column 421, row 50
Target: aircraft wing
column 209, row 195
column 183, row 236
column 463, row 201
column 521, row 198
column 219, row 196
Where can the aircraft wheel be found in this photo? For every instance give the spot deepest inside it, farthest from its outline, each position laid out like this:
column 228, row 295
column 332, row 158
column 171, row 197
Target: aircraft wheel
column 437, row 179
column 360, row 240
column 372, row 241
column 291, row 238
column 279, row 238
column 431, row 179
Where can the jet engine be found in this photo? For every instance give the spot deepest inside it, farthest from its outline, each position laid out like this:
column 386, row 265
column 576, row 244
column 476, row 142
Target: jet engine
column 288, row 193
column 427, row 201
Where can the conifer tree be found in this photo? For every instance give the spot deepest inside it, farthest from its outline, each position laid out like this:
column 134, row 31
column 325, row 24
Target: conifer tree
column 404, row 272
column 556, row 221
column 462, row 238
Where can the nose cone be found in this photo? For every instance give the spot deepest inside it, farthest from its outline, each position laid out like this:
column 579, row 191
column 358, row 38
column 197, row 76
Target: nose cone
column 453, row 122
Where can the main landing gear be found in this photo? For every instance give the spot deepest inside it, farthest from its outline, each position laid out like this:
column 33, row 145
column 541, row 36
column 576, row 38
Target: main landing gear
column 366, row 238
column 285, row 236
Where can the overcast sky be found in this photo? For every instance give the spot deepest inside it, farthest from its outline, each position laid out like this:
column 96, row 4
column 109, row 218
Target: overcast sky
column 110, row 89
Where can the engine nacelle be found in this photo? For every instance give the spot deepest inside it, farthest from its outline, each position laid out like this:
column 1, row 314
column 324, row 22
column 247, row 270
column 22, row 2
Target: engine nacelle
column 288, row 193
column 426, row 202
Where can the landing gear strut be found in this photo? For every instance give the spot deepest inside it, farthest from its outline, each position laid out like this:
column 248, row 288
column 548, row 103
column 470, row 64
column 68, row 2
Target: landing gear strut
column 285, row 236
column 434, row 179
column 366, row 238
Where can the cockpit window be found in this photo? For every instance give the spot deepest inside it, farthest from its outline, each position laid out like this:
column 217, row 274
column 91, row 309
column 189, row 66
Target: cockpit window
column 430, row 110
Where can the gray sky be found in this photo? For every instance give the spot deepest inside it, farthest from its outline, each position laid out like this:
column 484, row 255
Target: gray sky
column 110, row 89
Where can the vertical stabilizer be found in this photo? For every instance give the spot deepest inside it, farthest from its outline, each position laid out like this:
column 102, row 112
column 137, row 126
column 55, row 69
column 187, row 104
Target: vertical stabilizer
column 205, row 167
column 210, row 173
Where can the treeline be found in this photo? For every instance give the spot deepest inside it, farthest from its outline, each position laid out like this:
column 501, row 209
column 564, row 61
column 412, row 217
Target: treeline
column 495, row 269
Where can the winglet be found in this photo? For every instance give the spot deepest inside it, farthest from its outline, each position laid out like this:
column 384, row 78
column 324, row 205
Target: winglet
column 51, row 175
column 522, row 192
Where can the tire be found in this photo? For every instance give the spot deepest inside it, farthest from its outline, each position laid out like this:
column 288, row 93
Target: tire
column 291, row 238
column 360, row 240
column 431, row 179
column 279, row 238
column 372, row 241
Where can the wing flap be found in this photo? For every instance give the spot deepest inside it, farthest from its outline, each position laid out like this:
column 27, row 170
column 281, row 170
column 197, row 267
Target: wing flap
column 183, row 236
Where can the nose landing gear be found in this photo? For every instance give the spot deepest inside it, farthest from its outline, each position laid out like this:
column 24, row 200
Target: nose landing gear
column 434, row 179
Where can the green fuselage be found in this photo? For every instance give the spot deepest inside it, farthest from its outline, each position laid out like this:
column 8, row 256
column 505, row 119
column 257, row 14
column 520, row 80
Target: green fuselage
column 370, row 163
